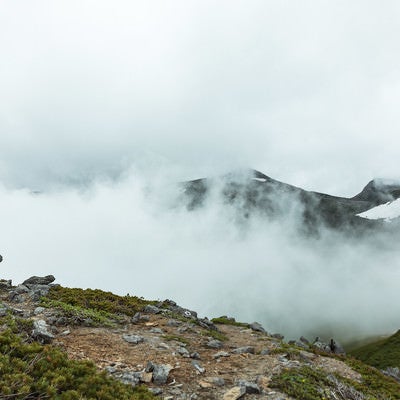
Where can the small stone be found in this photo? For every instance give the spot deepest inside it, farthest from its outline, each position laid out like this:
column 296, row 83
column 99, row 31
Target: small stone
column 160, row 373
column 250, row 387
column 214, row 344
column 304, row 340
column 173, row 323
column 265, row 352
column 255, row 326
column 163, row 346
column 198, row 367
column 134, row 339
column 149, row 367
column 158, row 331
column 235, row 393
column 138, row 317
column 65, row 333
column 221, row 354
column 195, row 355
column 40, row 331
column 244, row 350
column 146, row 377
column 38, row 310
column 130, row 378
column 278, row 336
column 205, row 384
column 150, row 309
column 182, row 351
column 20, row 289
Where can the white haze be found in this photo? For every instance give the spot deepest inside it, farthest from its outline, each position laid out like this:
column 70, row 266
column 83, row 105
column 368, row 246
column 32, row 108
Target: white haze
column 127, row 238
column 307, row 92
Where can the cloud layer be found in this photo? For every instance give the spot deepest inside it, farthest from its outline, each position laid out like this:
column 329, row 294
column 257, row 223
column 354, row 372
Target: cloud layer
column 127, row 238
column 306, row 92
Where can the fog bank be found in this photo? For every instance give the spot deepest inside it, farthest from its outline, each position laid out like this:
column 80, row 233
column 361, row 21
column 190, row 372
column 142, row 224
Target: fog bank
column 130, row 237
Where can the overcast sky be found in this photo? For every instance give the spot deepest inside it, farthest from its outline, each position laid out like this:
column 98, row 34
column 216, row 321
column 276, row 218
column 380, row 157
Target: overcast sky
column 307, row 92
column 120, row 93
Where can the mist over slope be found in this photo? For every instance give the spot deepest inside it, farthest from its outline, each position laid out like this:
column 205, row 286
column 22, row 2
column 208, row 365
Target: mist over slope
column 138, row 236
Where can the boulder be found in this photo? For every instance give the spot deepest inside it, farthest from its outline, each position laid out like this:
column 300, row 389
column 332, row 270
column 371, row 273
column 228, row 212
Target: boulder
column 244, row 350
column 134, row 339
column 41, row 331
column 39, row 280
column 214, row 344
column 255, row 326
column 161, row 373
column 250, row 387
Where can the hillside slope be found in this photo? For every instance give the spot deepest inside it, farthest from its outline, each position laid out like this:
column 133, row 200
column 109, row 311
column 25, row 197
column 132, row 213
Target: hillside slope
column 160, row 348
column 382, row 353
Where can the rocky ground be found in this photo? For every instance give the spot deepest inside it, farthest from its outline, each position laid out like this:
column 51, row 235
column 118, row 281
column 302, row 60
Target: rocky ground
column 169, row 349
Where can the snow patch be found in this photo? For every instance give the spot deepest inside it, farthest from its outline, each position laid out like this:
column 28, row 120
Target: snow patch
column 386, row 211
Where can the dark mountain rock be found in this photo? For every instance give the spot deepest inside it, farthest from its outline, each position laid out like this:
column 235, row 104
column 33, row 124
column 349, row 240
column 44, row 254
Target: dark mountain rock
column 39, row 280
column 251, row 192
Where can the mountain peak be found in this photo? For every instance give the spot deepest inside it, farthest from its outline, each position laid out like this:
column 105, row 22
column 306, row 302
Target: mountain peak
column 380, row 191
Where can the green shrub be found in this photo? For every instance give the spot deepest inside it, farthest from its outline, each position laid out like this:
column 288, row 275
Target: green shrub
column 33, row 371
column 382, row 353
column 104, row 302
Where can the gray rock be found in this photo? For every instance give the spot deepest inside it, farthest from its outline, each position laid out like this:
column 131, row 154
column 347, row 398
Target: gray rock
column 111, row 370
column 207, row 324
column 278, row 336
column 221, row 354
column 173, row 323
column 3, row 310
column 134, row 339
column 255, row 326
column 5, row 283
column 161, row 373
column 304, row 340
column 138, row 317
column 158, row 331
column 217, row 381
column 250, row 387
column 198, row 367
column 130, row 378
column 14, row 297
column 38, row 280
column 38, row 310
column 41, row 332
column 182, row 351
column 195, row 355
column 150, row 309
column 156, row 391
column 265, row 352
column 244, row 350
column 214, row 344
column 149, row 367
column 20, row 289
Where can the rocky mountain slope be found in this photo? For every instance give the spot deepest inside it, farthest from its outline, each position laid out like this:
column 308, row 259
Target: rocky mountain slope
column 157, row 349
column 251, row 191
